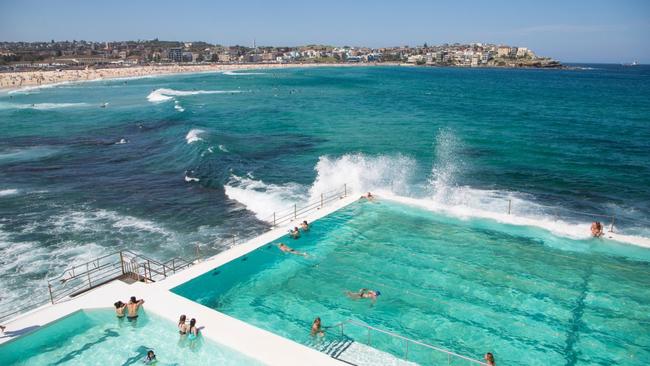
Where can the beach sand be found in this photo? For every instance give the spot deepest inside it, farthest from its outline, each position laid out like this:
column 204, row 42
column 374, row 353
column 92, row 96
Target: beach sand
column 17, row 80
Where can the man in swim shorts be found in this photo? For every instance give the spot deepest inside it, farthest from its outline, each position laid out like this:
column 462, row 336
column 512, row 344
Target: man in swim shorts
column 132, row 308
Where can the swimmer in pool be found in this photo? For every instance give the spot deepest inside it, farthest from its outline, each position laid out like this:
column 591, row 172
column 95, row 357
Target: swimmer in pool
column 316, row 329
column 182, row 326
column 287, row 249
column 364, row 293
column 295, row 233
column 119, row 309
column 150, row 359
column 132, row 308
column 193, row 330
column 368, row 196
column 304, row 226
column 489, row 359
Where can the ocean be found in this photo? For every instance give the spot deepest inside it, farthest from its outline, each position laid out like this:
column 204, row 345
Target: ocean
column 173, row 162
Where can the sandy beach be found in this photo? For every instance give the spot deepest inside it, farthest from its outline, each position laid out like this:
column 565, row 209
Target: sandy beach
column 17, row 80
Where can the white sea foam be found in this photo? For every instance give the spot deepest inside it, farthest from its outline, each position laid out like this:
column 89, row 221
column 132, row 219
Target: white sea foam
column 8, row 192
column 42, row 106
column 179, row 108
column 164, row 94
column 121, row 142
column 264, row 199
column 194, row 135
column 222, row 148
column 191, row 179
column 234, row 73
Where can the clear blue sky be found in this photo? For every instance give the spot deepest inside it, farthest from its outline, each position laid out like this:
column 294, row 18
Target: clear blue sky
column 571, row 31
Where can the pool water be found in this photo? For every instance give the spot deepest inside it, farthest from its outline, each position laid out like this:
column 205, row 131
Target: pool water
column 97, row 337
column 468, row 286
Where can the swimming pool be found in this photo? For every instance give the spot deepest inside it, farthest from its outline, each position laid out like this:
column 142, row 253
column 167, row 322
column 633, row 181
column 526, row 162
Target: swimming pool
column 97, row 337
column 469, row 286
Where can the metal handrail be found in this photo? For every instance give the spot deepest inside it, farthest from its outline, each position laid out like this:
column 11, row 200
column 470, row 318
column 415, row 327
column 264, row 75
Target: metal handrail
column 292, row 214
column 407, row 340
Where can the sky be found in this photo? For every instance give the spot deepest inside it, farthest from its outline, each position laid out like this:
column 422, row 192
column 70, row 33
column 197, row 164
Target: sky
column 611, row 31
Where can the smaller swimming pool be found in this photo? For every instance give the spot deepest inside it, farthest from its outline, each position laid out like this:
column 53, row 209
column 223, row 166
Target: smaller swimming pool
column 97, row 337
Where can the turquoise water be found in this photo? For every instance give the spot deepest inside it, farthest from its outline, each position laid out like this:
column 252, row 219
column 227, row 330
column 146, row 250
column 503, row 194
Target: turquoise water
column 468, row 286
column 553, row 142
column 97, row 337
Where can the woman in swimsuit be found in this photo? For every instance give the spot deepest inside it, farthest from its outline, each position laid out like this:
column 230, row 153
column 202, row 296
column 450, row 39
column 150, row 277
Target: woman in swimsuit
column 119, row 309
column 182, row 327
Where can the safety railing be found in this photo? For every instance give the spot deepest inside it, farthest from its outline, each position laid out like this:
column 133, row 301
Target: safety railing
column 291, row 214
column 83, row 277
column 399, row 346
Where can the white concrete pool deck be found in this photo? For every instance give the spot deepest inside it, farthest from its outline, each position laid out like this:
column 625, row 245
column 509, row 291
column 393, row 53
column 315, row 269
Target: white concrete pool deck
column 242, row 337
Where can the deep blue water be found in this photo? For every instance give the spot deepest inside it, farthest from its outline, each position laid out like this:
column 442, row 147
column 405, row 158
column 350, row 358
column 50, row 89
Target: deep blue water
column 554, row 142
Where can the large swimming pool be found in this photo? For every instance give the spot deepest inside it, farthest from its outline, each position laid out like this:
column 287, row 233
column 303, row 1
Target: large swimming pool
column 97, row 337
column 468, row 286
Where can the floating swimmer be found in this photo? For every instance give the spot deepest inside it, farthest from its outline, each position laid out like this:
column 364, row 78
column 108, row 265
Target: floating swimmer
column 364, row 293
column 287, row 249
column 150, row 359
column 316, row 329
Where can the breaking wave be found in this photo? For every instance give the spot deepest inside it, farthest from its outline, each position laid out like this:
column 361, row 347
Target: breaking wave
column 8, row 192
column 394, row 177
column 194, row 135
column 234, row 73
column 264, row 198
column 164, row 94
column 42, row 106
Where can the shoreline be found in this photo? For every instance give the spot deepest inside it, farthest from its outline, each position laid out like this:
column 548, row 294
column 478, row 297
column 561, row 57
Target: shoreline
column 25, row 80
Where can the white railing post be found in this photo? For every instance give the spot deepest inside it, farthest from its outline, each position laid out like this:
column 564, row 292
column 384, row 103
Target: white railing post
column 509, row 206
column 321, row 200
column 345, row 190
column 295, row 211
column 273, row 219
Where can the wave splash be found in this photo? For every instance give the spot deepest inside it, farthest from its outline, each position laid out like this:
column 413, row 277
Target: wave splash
column 42, row 106
column 164, row 94
column 234, row 73
column 194, row 135
column 264, row 198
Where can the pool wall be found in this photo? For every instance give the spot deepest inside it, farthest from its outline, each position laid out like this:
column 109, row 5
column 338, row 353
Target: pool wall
column 242, row 337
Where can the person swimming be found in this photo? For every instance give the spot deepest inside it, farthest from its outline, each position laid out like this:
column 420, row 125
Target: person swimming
column 304, row 226
column 368, row 196
column 182, row 326
column 316, row 329
column 150, row 359
column 596, row 229
column 364, row 293
column 489, row 359
column 295, row 233
column 132, row 308
column 287, row 249
column 119, row 309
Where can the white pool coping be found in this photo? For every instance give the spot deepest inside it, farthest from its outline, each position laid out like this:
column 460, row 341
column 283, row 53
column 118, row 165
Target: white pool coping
column 251, row 341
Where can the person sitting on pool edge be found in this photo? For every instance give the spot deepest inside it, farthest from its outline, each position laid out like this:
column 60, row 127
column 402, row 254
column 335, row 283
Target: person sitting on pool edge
column 596, row 229
column 364, row 293
column 132, row 308
column 287, row 249
column 304, row 226
column 119, row 309
column 316, row 329
column 295, row 233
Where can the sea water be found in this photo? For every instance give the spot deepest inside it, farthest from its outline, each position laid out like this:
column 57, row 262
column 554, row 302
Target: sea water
column 178, row 161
